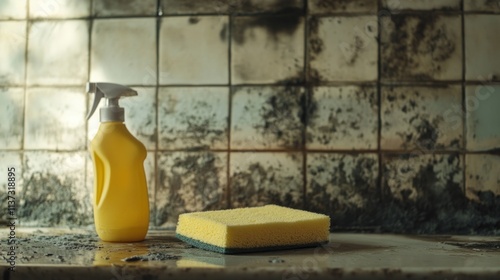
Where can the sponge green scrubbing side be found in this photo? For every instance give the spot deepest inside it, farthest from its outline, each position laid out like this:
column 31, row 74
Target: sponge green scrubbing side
column 263, row 228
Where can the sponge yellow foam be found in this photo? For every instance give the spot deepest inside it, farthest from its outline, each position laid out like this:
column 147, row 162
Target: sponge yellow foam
column 253, row 229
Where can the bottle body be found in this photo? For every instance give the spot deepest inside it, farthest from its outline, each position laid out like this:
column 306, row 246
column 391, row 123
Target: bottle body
column 121, row 204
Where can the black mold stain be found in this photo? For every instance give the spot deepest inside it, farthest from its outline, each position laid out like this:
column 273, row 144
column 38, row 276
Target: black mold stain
column 196, row 172
column 316, row 44
column 428, row 39
column 223, row 33
column 200, row 128
column 275, row 26
column 194, row 20
column 280, row 116
column 440, row 205
column 477, row 246
column 51, row 202
column 350, row 183
column 259, row 186
column 357, row 47
column 336, row 5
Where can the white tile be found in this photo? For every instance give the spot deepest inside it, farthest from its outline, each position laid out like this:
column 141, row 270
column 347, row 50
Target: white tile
column 422, row 4
column 420, row 47
column 194, row 50
column 140, row 116
column 263, row 53
column 124, row 51
column 258, row 179
column 192, row 118
column 343, row 48
column 422, row 119
column 12, row 116
column 267, row 118
column 482, row 115
column 58, row 52
column 13, row 9
column 482, row 6
column 55, row 119
column 342, row 6
column 59, row 8
column 124, row 8
column 12, row 52
column 481, row 47
column 189, row 182
column 345, row 118
column 54, row 192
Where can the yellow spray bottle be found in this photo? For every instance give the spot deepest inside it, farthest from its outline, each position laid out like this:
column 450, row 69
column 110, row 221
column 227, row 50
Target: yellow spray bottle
column 121, row 206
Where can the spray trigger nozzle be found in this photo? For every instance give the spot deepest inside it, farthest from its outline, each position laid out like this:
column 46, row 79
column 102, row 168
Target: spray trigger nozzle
column 112, row 92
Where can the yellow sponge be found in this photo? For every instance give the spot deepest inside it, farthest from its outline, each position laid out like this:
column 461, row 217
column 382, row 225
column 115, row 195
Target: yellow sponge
column 269, row 227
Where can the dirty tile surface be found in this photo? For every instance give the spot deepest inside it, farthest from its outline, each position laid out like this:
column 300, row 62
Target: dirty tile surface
column 58, row 52
column 140, row 116
column 343, row 48
column 124, row 51
column 258, row 179
column 481, row 55
column 103, row 8
column 421, row 119
column 342, row 6
column 267, row 117
column 59, row 8
column 193, row 118
column 55, row 119
column 13, row 9
column 267, row 49
column 482, row 6
column 11, row 107
column 343, row 118
column 343, row 186
column 188, row 182
column 194, row 50
column 230, row 6
column 12, row 52
column 54, row 192
column 424, row 193
column 421, row 47
column 482, row 115
column 445, row 5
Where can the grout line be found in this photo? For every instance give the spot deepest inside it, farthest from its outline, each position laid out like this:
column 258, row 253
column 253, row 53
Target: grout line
column 308, row 96
column 25, row 88
column 229, row 114
column 464, row 108
column 380, row 172
column 157, row 104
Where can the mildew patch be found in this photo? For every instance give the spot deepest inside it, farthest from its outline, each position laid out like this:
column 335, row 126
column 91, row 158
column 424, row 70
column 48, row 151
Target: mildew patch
column 418, row 119
column 343, row 186
column 343, row 118
column 421, row 47
column 268, row 117
column 189, row 181
column 275, row 26
column 266, row 178
column 332, row 6
column 46, row 200
column 424, row 194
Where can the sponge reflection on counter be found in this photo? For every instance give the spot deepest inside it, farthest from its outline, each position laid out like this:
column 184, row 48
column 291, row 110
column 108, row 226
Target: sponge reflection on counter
column 253, row 229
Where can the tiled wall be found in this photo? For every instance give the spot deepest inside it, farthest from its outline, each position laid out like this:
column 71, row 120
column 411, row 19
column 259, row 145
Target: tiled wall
column 384, row 115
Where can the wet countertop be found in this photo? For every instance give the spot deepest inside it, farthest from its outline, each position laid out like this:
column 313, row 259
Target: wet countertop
column 79, row 254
